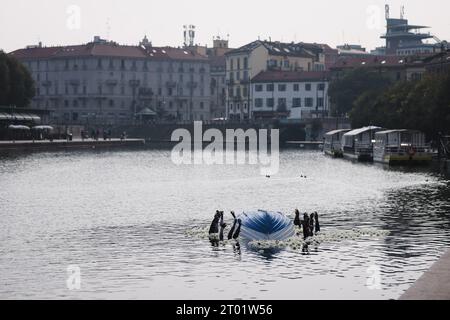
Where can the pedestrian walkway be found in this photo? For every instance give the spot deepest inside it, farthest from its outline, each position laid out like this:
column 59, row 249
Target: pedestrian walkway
column 434, row 284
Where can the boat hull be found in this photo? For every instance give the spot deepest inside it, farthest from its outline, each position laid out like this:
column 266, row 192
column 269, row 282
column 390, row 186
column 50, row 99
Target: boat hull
column 404, row 159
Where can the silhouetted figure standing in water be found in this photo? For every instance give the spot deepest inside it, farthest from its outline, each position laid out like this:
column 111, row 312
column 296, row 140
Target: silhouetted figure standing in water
column 230, row 234
column 305, row 225
column 317, row 225
column 297, row 221
column 311, row 225
column 222, row 226
column 214, row 228
column 238, row 230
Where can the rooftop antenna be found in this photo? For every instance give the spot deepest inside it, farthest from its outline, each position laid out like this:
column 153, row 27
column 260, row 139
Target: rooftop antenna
column 402, row 12
column 387, row 10
column 189, row 35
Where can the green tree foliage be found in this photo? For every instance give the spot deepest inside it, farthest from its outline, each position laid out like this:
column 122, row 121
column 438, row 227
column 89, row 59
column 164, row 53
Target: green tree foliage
column 423, row 105
column 346, row 90
column 16, row 83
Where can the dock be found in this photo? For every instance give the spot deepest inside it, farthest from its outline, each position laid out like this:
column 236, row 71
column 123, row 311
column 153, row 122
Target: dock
column 68, row 145
column 304, row 144
column 434, row 284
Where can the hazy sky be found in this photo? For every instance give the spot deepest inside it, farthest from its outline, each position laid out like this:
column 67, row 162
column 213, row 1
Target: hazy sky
column 57, row 22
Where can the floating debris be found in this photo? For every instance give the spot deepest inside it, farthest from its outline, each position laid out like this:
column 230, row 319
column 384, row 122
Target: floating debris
column 297, row 242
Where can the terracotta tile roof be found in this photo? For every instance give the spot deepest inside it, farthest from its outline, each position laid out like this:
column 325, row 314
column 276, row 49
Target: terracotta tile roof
column 290, row 76
column 372, row 61
column 107, row 50
column 277, row 49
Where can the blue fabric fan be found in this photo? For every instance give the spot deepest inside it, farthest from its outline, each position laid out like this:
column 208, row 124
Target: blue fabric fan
column 265, row 225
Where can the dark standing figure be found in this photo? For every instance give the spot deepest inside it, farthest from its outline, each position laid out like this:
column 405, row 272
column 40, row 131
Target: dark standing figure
column 297, row 221
column 316, row 217
column 305, row 224
column 230, row 234
column 238, row 230
column 311, row 225
column 222, row 226
column 214, row 228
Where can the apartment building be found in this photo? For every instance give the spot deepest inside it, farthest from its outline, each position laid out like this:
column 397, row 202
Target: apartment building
column 293, row 95
column 246, row 62
column 106, row 83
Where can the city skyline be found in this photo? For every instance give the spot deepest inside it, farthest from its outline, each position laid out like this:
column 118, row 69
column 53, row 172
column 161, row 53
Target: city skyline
column 73, row 22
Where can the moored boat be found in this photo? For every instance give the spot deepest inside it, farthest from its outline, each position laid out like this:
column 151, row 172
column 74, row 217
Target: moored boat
column 401, row 146
column 333, row 143
column 358, row 144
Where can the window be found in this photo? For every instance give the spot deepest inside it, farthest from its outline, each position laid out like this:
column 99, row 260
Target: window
column 321, row 86
column 270, row 102
column 309, row 102
column 281, row 102
column 245, row 63
column 111, row 103
column 296, row 87
column 259, row 88
column 258, row 103
column 320, row 102
column 308, row 87
column 202, row 105
column 296, row 102
column 245, row 92
column 281, row 87
column 270, row 87
column 286, row 63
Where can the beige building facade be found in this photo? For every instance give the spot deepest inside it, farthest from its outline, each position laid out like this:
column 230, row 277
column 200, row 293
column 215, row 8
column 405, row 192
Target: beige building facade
column 245, row 63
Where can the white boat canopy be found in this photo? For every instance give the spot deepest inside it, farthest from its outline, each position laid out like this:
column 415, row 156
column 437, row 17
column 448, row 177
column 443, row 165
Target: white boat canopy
column 380, row 133
column 332, row 133
column 360, row 130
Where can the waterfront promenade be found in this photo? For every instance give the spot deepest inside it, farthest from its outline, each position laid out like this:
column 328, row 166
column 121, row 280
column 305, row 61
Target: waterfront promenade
column 434, row 284
column 66, row 145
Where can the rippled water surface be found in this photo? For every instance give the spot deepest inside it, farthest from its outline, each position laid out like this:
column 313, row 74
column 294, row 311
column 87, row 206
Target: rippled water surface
column 124, row 218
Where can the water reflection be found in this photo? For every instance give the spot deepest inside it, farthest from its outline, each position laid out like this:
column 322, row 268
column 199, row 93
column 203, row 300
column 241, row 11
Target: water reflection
column 122, row 217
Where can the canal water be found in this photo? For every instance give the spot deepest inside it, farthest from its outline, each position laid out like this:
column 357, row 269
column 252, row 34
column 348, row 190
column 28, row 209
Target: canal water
column 129, row 220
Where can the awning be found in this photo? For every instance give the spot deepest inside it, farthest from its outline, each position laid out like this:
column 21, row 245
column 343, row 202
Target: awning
column 5, row 116
column 20, row 117
column 147, row 112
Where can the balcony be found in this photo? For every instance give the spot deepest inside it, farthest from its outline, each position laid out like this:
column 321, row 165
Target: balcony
column 135, row 83
column 230, row 82
column 192, row 85
column 111, row 82
column 171, row 84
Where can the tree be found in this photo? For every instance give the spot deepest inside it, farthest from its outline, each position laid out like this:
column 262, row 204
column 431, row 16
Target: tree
column 16, row 83
column 345, row 91
column 423, row 105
